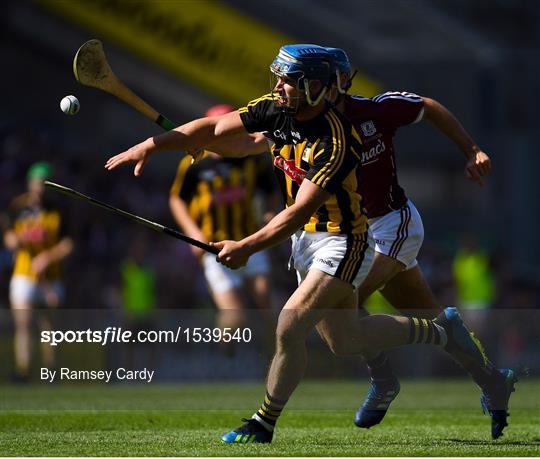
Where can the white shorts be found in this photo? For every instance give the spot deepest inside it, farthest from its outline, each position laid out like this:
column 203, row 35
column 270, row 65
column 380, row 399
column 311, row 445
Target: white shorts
column 347, row 257
column 24, row 290
column 399, row 234
column 221, row 279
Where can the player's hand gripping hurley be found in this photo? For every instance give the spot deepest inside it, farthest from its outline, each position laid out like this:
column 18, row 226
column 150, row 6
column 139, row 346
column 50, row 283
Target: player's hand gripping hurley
column 150, row 224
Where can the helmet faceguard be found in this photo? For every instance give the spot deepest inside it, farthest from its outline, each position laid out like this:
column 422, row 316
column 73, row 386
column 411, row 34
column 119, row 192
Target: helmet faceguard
column 303, row 64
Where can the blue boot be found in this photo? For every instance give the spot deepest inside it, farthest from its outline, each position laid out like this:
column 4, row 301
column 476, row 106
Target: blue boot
column 462, row 344
column 380, row 394
column 495, row 397
column 251, row 432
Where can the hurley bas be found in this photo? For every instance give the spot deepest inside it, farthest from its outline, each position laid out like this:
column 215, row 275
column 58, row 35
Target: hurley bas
column 121, row 374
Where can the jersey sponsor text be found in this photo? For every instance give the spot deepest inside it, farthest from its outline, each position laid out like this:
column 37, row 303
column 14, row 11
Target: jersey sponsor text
column 291, row 170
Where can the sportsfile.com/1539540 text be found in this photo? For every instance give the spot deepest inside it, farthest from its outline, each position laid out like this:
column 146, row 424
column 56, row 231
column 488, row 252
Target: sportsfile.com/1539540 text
column 119, row 335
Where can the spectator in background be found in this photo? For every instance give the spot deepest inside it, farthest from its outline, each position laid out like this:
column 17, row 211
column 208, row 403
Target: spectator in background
column 35, row 236
column 474, row 280
column 138, row 298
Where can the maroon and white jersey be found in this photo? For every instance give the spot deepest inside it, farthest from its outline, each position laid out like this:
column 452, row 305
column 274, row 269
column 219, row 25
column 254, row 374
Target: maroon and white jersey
column 376, row 121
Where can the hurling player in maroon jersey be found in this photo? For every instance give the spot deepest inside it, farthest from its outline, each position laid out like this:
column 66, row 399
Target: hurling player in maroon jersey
column 398, row 232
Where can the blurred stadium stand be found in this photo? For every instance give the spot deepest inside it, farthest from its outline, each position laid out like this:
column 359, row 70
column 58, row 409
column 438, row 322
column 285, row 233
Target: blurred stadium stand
column 479, row 58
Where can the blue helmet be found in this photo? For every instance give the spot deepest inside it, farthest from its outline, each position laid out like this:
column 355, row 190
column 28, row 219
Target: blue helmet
column 342, row 66
column 341, row 60
column 304, row 63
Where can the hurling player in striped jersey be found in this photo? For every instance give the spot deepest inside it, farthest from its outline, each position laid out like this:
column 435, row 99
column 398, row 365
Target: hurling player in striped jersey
column 398, row 231
column 316, row 153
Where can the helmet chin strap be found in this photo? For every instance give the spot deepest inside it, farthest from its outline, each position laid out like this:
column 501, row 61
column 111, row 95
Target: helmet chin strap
column 340, row 89
column 338, row 83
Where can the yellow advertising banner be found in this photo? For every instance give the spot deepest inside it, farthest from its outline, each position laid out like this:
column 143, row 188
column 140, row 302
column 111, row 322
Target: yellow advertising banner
column 204, row 42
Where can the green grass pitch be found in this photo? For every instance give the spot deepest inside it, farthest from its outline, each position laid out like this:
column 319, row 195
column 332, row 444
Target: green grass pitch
column 430, row 417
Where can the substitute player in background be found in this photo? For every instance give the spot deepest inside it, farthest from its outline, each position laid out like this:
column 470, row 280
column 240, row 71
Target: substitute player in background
column 398, row 232
column 214, row 199
column 35, row 237
column 316, row 153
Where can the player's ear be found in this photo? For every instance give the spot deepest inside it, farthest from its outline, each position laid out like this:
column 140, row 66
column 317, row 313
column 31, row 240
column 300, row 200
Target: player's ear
column 344, row 80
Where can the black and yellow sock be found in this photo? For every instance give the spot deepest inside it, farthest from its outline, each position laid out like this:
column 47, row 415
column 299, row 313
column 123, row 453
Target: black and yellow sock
column 269, row 411
column 425, row 331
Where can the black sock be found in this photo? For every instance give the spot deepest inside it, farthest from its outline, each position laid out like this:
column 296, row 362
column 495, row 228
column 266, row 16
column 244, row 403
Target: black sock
column 380, row 368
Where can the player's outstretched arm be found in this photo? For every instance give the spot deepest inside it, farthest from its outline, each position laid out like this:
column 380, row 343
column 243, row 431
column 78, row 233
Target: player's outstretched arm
column 478, row 162
column 191, row 136
column 240, row 145
column 308, row 199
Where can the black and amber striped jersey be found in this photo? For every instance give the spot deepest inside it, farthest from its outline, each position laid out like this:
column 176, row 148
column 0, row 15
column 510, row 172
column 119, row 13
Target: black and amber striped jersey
column 38, row 228
column 325, row 150
column 220, row 192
